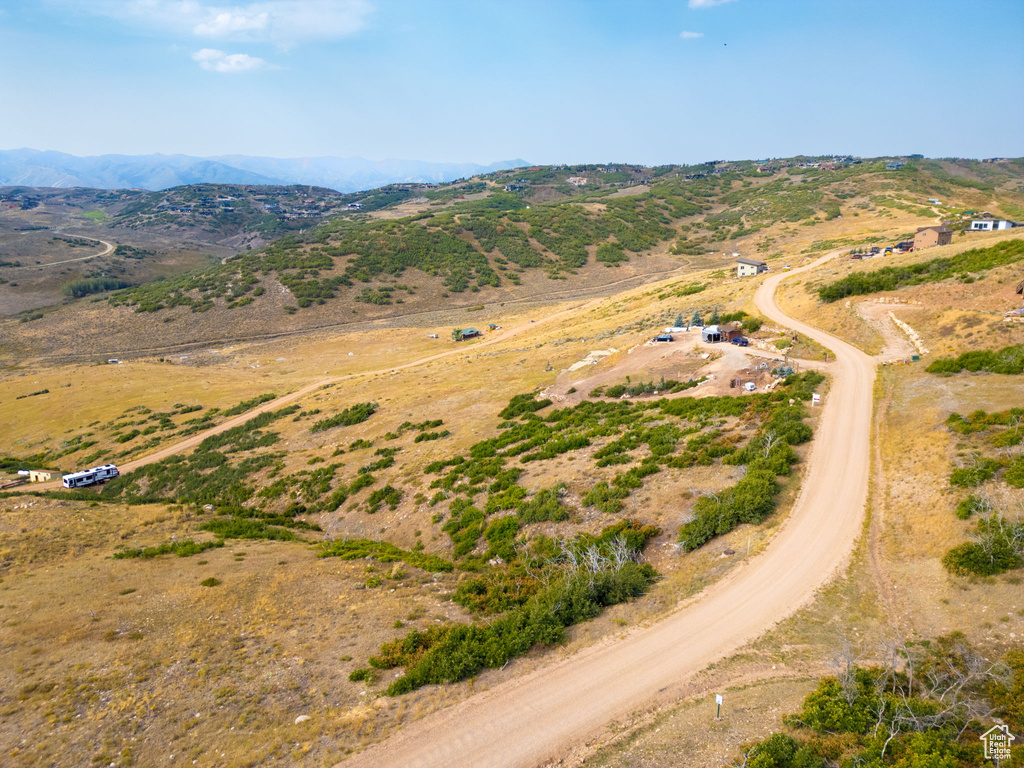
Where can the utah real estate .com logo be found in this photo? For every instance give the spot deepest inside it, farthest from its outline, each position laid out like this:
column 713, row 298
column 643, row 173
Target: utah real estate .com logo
column 997, row 742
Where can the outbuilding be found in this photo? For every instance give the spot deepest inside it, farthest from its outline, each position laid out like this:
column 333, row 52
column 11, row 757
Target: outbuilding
column 730, row 331
column 470, row 333
column 711, row 334
column 43, row 475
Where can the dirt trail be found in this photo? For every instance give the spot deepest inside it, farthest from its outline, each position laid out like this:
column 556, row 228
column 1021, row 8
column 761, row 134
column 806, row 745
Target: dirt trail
column 896, row 344
column 109, row 248
column 272, row 405
column 567, row 294
column 539, row 718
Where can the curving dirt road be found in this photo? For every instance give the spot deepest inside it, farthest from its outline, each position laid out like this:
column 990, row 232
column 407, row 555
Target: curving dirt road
column 109, row 248
column 539, row 718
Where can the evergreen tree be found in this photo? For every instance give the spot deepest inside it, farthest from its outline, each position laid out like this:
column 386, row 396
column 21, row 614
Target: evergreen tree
column 679, row 320
column 695, row 320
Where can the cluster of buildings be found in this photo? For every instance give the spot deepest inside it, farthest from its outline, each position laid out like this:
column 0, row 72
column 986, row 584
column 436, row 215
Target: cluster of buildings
column 285, row 204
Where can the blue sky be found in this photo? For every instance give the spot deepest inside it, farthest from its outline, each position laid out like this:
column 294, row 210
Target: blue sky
column 546, row 80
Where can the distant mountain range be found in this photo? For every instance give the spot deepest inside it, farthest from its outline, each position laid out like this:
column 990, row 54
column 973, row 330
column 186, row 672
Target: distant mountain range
column 36, row 168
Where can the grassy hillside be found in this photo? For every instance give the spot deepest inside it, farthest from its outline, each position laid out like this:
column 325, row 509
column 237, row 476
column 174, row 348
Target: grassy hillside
column 441, row 507
column 525, row 234
column 473, row 245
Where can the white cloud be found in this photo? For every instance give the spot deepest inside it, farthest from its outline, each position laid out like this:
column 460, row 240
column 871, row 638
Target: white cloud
column 691, row 35
column 707, row 3
column 282, row 22
column 213, row 60
column 227, row 23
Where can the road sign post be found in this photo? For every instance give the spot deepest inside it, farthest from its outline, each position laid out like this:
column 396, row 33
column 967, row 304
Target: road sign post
column 718, row 701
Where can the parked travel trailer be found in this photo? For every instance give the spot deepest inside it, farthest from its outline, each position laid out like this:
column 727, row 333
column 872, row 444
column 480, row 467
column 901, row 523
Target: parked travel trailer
column 90, row 476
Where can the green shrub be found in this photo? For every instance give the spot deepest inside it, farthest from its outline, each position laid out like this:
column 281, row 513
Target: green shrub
column 521, row 404
column 465, row 527
column 248, row 405
column 382, row 551
column 87, row 286
column 973, row 505
column 452, row 653
column 386, row 495
column 240, row 528
column 835, row 708
column 970, row 477
column 782, row 751
column 1008, row 360
column 998, row 548
column 891, row 278
column 751, row 500
column 500, row 535
column 355, row 414
column 1014, row 474
column 365, row 674
column 362, row 481
column 605, row 498
column 545, row 505
column 498, row 590
column 183, row 548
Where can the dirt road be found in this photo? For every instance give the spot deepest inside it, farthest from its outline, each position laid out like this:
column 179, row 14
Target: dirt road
column 108, row 249
column 567, row 294
column 541, row 717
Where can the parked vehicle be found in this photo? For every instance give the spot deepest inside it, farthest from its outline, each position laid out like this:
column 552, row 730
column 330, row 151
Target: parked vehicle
column 90, row 476
column 739, row 341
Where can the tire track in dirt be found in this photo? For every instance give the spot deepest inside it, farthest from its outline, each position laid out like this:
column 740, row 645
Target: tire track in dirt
column 109, row 249
column 189, row 443
column 573, row 294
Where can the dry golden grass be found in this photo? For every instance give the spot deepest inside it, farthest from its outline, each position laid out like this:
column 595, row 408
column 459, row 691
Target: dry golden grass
column 264, row 646
column 944, row 313
column 689, row 736
column 919, row 453
column 279, row 636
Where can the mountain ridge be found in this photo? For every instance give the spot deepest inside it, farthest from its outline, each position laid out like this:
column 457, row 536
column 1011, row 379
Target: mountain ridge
column 50, row 168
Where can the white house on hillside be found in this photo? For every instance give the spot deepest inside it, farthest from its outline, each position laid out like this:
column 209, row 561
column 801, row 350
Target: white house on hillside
column 748, row 267
column 991, row 225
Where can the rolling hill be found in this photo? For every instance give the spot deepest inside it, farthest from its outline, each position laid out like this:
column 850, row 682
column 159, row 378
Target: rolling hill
column 329, row 515
column 528, row 235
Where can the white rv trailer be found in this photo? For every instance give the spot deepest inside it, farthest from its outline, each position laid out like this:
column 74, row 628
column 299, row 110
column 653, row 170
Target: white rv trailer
column 90, row 476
